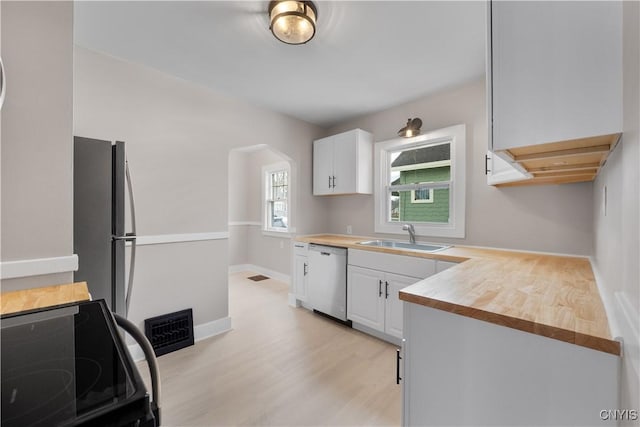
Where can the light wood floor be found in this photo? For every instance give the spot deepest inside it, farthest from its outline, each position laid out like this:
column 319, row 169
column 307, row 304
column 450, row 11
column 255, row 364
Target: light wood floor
column 279, row 366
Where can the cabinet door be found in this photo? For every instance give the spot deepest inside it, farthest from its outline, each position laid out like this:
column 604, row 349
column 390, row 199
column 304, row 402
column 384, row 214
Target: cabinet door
column 499, row 171
column 300, row 277
column 365, row 297
column 393, row 310
column 557, row 71
column 323, row 166
column 345, row 163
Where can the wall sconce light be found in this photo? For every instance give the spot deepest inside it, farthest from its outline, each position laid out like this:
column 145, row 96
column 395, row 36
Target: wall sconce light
column 411, row 129
column 292, row 21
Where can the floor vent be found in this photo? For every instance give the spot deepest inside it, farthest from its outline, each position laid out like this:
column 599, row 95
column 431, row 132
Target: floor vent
column 170, row 332
column 257, row 278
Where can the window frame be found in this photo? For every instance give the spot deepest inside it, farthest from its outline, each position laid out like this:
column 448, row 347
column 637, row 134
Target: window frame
column 267, row 171
column 456, row 135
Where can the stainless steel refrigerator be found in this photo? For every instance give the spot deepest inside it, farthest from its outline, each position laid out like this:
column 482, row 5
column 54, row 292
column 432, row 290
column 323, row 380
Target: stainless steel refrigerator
column 100, row 176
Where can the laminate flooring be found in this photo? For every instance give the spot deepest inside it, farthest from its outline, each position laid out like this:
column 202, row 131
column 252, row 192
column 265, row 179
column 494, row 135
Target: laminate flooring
column 279, row 365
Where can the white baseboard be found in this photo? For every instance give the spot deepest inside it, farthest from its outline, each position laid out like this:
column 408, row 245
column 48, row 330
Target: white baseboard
column 628, row 320
column 240, row 267
column 293, row 302
column 200, row 332
column 38, row 266
column 260, row 270
column 380, row 335
column 240, row 223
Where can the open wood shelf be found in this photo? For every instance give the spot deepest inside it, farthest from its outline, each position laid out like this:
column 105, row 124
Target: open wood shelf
column 576, row 160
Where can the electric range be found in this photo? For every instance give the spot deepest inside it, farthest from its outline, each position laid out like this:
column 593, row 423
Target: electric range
column 68, row 366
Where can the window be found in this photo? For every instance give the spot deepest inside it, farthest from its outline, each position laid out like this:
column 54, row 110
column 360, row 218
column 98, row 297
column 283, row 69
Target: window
column 424, row 195
column 276, row 198
column 421, row 180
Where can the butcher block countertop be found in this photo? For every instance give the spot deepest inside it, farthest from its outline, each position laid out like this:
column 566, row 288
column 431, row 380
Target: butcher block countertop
column 549, row 295
column 31, row 299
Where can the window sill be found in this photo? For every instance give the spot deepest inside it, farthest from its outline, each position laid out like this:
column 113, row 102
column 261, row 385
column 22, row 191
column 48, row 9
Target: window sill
column 281, row 234
column 431, row 230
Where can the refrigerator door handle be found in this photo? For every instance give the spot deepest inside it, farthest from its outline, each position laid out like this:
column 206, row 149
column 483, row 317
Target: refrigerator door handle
column 131, row 237
column 127, row 238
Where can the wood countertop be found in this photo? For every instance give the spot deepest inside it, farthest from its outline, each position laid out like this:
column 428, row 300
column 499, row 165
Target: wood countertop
column 31, row 299
column 549, row 295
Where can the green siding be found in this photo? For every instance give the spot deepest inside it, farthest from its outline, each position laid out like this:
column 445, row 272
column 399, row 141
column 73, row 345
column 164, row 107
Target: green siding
column 438, row 211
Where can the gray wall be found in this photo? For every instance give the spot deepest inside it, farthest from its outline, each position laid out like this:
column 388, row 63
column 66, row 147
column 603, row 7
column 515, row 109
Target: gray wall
column 542, row 218
column 617, row 231
column 36, row 136
column 247, row 243
column 178, row 137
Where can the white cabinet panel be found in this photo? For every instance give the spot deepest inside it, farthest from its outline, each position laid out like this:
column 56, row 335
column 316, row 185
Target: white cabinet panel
column 365, row 302
column 555, row 71
column 393, row 304
column 500, row 171
column 345, row 160
column 373, row 299
column 463, row 371
column 398, row 264
column 323, row 167
column 300, row 278
column 300, row 271
column 343, row 164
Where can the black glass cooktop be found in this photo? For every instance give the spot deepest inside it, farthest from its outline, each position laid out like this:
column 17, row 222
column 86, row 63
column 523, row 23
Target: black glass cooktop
column 67, row 366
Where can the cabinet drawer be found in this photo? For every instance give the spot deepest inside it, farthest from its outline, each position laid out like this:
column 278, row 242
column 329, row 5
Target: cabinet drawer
column 398, row 264
column 300, row 248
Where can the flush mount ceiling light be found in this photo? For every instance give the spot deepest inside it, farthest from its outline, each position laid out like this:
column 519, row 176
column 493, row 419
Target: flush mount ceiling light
column 411, row 129
column 293, row 22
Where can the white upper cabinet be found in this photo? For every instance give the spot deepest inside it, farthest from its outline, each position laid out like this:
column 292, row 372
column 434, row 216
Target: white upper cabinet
column 342, row 164
column 554, row 71
column 500, row 171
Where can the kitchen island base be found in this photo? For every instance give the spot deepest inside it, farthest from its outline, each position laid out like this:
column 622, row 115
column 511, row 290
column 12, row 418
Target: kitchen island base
column 463, row 371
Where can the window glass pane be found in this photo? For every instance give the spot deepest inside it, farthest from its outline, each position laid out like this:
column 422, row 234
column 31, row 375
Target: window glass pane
column 278, row 214
column 422, row 194
column 403, row 208
column 418, row 164
column 277, row 204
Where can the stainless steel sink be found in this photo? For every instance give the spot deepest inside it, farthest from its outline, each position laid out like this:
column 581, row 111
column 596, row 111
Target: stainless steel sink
column 423, row 247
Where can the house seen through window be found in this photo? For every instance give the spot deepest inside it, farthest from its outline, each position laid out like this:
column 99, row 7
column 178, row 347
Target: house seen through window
column 421, row 181
column 420, row 167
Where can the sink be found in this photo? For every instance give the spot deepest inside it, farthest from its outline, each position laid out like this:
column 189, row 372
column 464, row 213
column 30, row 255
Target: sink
column 423, row 247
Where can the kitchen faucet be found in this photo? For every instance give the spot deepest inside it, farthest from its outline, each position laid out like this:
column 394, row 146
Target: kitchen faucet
column 412, row 232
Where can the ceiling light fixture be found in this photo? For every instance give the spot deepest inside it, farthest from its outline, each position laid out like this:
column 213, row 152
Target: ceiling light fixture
column 411, row 129
column 292, row 21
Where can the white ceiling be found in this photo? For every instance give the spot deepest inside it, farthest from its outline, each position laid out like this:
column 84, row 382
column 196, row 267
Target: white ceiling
column 365, row 57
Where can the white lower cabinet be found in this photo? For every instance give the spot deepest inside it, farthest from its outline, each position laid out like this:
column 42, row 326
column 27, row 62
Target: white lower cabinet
column 364, row 302
column 300, row 271
column 374, row 281
column 393, row 319
column 461, row 371
column 373, row 300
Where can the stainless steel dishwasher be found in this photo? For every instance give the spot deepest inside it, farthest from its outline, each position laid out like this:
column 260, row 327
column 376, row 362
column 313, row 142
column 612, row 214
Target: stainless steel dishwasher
column 327, row 286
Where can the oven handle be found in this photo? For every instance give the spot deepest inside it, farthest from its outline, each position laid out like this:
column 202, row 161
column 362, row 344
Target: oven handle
column 149, row 354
